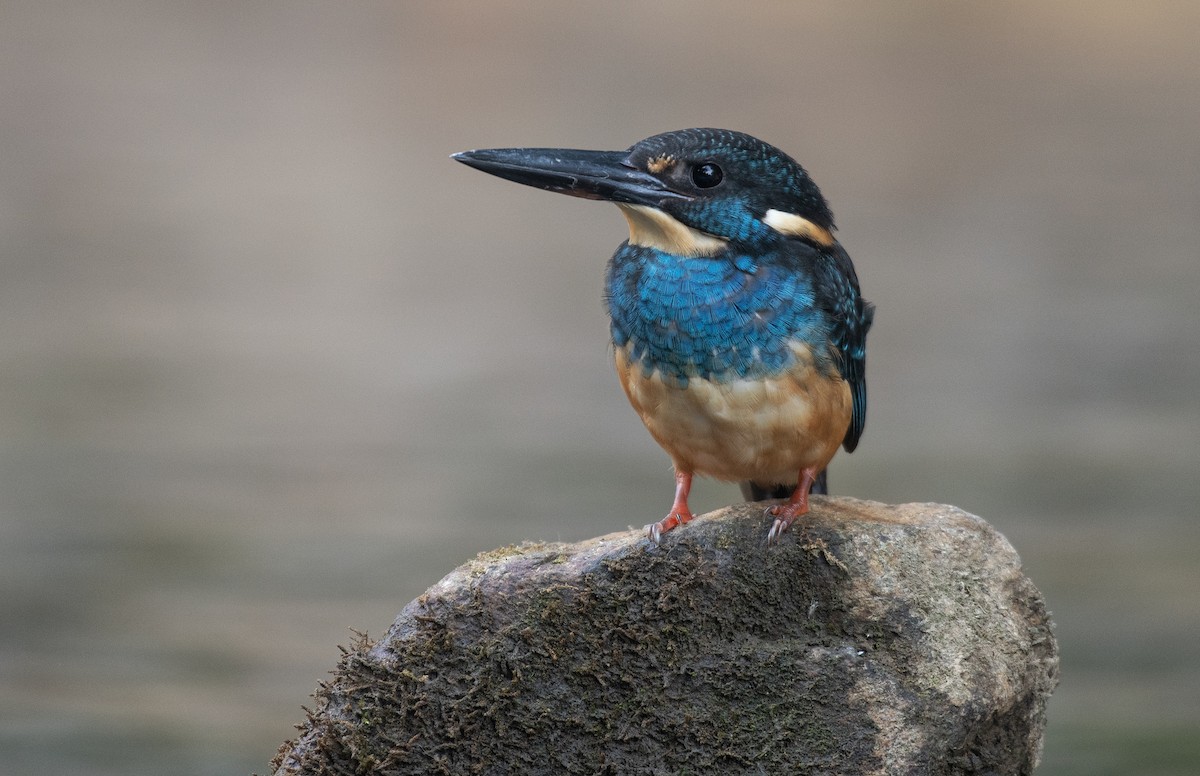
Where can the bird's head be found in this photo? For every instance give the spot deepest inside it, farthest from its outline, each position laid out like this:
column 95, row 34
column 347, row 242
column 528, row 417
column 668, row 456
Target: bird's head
column 691, row 192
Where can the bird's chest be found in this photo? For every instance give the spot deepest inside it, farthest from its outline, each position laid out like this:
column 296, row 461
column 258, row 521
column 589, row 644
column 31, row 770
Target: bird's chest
column 727, row 363
column 713, row 318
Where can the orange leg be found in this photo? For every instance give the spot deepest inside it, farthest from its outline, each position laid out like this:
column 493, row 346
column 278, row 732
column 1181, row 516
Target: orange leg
column 679, row 513
column 787, row 513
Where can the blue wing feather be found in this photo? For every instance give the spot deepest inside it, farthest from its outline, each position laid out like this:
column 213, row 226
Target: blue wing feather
column 851, row 318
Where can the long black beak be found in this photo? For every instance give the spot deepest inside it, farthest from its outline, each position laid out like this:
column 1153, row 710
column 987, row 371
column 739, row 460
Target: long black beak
column 603, row 175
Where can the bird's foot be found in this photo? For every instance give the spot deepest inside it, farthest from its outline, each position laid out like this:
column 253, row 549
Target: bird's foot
column 785, row 515
column 655, row 531
column 679, row 513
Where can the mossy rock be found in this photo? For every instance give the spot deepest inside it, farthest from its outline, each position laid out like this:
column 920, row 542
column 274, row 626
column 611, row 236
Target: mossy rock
column 872, row 639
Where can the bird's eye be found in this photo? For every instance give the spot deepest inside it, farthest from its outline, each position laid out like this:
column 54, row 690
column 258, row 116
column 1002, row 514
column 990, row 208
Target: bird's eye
column 707, row 175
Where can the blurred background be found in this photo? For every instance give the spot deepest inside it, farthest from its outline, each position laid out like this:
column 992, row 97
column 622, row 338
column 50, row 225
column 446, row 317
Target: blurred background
column 271, row 364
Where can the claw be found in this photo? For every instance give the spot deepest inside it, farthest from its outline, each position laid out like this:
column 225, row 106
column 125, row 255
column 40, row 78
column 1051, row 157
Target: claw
column 784, row 517
column 777, row 528
column 679, row 513
column 654, row 531
column 786, row 514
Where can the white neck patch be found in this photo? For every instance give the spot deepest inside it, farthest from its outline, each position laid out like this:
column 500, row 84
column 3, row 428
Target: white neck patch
column 650, row 227
column 798, row 226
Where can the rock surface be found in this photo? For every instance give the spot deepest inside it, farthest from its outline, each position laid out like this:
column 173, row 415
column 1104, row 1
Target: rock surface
column 873, row 639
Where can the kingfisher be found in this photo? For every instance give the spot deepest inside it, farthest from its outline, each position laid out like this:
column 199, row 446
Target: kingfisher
column 738, row 328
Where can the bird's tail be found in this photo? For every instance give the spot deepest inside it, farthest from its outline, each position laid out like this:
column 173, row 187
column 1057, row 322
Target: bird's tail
column 757, row 491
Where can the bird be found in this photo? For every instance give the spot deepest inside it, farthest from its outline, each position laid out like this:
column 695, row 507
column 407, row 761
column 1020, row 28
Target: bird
column 738, row 327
